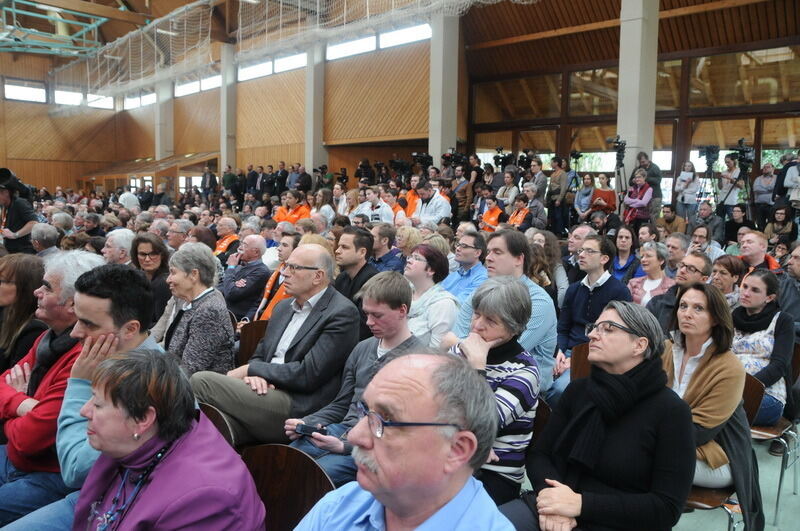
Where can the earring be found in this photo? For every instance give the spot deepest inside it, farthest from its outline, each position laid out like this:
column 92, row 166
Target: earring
column 136, row 436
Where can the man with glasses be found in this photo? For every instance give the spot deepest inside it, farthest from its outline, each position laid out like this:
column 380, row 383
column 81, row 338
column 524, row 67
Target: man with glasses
column 706, row 217
column 574, row 242
column 702, row 243
column 471, row 273
column 245, row 278
column 428, row 422
column 296, row 368
column 178, row 233
column 583, row 304
column 677, row 246
column 694, row 267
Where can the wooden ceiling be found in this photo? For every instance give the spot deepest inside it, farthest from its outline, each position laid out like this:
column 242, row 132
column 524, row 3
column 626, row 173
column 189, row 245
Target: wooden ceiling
column 748, row 21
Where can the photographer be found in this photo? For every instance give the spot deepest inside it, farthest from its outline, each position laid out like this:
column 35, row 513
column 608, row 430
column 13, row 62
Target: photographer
column 365, row 171
column 652, row 178
column 17, row 218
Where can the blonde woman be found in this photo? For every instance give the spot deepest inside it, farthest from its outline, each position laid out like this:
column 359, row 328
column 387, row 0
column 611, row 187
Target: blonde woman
column 406, row 239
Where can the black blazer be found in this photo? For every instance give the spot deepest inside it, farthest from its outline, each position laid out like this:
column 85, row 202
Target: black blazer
column 312, row 368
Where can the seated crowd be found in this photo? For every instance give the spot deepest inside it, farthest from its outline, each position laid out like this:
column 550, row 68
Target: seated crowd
column 413, row 334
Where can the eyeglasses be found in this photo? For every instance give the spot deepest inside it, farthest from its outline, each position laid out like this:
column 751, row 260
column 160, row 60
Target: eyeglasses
column 460, row 245
column 152, row 256
column 417, row 258
column 587, row 251
column 377, row 423
column 293, row 268
column 176, row 231
column 606, row 327
column 690, row 268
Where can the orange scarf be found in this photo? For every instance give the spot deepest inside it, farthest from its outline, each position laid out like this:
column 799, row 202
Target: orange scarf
column 412, row 198
column 223, row 243
column 491, row 217
column 280, row 294
column 518, row 217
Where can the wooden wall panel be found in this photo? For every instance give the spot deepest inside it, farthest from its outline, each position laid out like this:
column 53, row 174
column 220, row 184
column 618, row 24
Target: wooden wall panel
column 263, row 155
column 135, row 133
column 270, row 111
column 52, row 173
column 349, row 156
column 378, row 96
column 463, row 93
column 25, row 65
column 196, row 122
column 46, row 132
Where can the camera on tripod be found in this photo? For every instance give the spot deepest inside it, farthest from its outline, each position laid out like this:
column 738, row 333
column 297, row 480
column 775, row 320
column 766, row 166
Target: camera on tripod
column 575, row 155
column 423, row 159
column 619, row 146
column 401, row 167
column 746, row 155
column 525, row 159
column 453, row 158
column 502, row 160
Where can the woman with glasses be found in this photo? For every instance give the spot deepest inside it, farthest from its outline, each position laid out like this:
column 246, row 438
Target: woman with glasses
column 726, row 273
column 780, row 225
column 704, row 372
column 20, row 275
column 433, row 309
column 152, row 439
column 763, row 340
column 654, row 282
column 149, row 254
column 501, row 308
column 618, row 448
column 200, row 332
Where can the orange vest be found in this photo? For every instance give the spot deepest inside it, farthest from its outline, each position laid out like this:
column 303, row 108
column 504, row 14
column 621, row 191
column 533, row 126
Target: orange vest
column 292, row 216
column 518, row 216
column 223, row 243
column 280, row 294
column 491, row 217
column 412, row 198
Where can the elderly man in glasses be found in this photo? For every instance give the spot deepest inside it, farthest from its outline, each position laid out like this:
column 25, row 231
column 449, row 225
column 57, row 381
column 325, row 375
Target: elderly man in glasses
column 296, row 368
column 694, row 267
column 427, row 423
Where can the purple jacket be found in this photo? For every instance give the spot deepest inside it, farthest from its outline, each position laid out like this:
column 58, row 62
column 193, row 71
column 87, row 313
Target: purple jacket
column 200, row 484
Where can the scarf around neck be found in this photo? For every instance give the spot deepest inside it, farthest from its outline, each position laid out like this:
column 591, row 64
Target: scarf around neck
column 50, row 349
column 748, row 324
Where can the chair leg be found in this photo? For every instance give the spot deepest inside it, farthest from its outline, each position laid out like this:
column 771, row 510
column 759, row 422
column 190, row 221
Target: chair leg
column 731, row 521
column 784, row 461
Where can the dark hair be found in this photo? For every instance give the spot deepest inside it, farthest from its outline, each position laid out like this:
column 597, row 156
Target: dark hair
column 720, row 310
column 97, row 243
column 204, row 235
column 559, row 161
column 128, row 290
column 768, row 277
column 26, row 272
column 362, row 239
column 437, row 262
column 634, row 236
column 158, row 246
column 517, row 246
column 734, row 265
column 652, row 229
column 385, row 230
column 606, row 247
column 141, row 379
column 341, row 221
column 479, row 242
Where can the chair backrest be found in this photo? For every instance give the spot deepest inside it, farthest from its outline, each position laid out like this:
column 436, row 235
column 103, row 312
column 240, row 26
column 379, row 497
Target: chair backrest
column 796, row 364
column 219, row 421
column 753, row 394
column 542, row 416
column 579, row 363
column 250, row 336
column 288, row 480
column 234, row 320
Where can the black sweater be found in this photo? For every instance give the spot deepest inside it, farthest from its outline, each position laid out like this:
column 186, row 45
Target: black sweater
column 645, row 474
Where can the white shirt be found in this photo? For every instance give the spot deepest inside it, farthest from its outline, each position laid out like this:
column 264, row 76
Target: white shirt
column 599, row 282
column 434, row 210
column 649, row 285
column 380, row 212
column 188, row 305
column 678, row 385
column 299, row 317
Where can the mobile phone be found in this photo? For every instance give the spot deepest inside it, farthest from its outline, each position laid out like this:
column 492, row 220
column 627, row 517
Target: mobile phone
column 306, row 429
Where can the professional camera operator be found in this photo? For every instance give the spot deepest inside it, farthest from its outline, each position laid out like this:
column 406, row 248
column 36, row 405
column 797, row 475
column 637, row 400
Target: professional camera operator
column 17, row 217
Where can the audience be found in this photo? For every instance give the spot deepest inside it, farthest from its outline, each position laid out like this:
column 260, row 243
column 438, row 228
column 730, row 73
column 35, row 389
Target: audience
column 726, row 273
column 695, row 267
column 275, row 290
column 617, row 451
column 574, row 242
column 386, row 298
column 20, row 275
column 706, row 217
column 142, row 416
column 31, row 393
column 149, row 254
column 433, row 309
column 352, row 256
column 385, row 257
column 471, row 273
column 780, row 224
column 625, row 264
column 677, row 246
column 200, row 332
column 117, row 249
column 703, row 371
column 44, row 239
column 445, row 415
column 245, row 278
column 296, row 368
column 655, row 282
column 227, row 239
column 552, row 251
column 702, row 243
column 671, row 221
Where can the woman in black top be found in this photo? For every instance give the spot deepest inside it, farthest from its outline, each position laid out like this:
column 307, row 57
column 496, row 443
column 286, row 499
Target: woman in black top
column 149, row 254
column 20, row 275
column 618, row 451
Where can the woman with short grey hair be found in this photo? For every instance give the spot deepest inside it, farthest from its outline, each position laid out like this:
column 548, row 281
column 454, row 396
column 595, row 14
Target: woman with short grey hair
column 621, row 425
column 653, row 259
column 501, row 308
column 200, row 333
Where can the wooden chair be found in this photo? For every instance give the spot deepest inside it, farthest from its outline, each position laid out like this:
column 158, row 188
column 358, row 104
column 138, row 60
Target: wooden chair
column 218, row 419
column 540, row 421
column 289, row 482
column 779, row 432
column 251, row 335
column 708, row 499
column 579, row 363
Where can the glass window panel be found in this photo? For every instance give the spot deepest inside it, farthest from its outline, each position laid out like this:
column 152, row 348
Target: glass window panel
column 593, row 92
column 68, row 97
column 211, row 82
column 148, row 99
column 518, row 99
column 132, row 102
column 405, row 35
column 746, row 78
column 26, row 91
column 254, row 71
column 485, row 144
column 291, row 62
column 346, row 49
column 668, row 85
column 779, row 136
column 101, row 102
column 184, row 89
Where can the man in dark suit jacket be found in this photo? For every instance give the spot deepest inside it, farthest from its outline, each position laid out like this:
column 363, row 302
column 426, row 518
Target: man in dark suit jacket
column 297, row 367
column 209, row 182
column 352, row 257
column 245, row 277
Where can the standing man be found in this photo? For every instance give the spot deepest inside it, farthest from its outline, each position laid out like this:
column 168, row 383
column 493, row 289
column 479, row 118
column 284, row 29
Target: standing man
column 352, row 257
column 17, row 217
column 384, row 256
column 229, row 180
column 471, row 273
column 245, row 277
column 462, row 194
column 281, row 177
column 538, row 178
column 208, row 183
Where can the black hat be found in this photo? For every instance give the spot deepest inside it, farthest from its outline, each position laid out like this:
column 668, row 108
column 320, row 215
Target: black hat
column 6, row 179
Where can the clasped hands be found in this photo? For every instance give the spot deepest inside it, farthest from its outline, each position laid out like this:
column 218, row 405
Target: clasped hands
column 563, row 363
column 325, row 442
column 258, row 384
column 558, row 506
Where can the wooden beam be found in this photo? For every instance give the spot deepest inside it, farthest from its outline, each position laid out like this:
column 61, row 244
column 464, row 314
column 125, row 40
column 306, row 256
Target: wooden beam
column 98, row 10
column 613, row 23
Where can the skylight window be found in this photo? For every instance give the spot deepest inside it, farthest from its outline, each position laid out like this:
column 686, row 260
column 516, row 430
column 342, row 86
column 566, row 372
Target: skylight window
column 131, row 102
column 405, row 36
column 346, row 49
column 148, row 99
column 290, row 62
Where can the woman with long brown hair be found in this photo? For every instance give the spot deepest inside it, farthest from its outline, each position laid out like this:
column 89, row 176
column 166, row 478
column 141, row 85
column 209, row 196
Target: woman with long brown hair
column 20, row 275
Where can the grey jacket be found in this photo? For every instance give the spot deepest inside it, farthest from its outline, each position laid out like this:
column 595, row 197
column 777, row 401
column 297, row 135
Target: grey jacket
column 312, row 368
column 715, row 226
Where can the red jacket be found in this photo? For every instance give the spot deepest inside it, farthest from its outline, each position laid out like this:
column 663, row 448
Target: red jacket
column 32, row 438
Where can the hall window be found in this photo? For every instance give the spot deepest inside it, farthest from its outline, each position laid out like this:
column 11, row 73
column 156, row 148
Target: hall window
column 346, row 49
column 255, row 70
column 405, row 36
column 291, row 62
column 68, row 97
column 23, row 90
column 100, row 102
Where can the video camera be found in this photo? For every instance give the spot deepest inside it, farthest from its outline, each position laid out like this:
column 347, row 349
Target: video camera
column 619, row 146
column 575, row 155
column 323, row 169
column 401, row 167
column 423, row 159
column 524, row 160
column 454, row 158
column 711, row 154
column 746, row 155
column 502, row 160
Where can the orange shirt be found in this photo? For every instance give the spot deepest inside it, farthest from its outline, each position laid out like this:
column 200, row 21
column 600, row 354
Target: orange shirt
column 412, row 198
column 518, row 216
column 223, row 243
column 292, row 216
column 491, row 217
